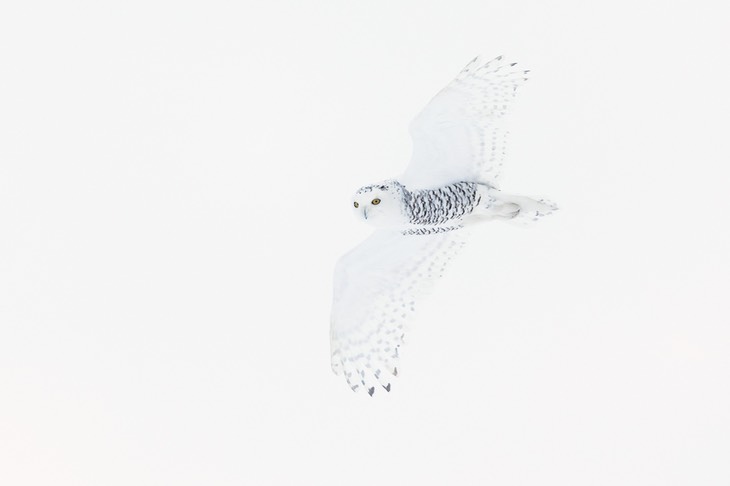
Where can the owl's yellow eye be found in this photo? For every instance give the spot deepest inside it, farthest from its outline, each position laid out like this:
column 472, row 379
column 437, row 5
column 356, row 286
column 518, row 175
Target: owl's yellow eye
column 357, row 205
column 375, row 201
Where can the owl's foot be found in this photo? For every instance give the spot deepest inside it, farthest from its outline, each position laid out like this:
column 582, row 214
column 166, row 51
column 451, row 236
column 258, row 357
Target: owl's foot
column 507, row 210
column 520, row 209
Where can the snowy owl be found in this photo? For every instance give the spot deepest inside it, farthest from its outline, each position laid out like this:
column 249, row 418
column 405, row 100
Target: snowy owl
column 450, row 183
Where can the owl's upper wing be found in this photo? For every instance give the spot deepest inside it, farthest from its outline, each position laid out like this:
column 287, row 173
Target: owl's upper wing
column 459, row 135
column 376, row 286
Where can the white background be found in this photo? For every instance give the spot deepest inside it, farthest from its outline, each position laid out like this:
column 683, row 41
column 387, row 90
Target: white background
column 174, row 192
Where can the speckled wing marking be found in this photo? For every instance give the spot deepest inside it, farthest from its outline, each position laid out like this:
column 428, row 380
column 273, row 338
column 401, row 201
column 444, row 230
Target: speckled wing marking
column 459, row 135
column 376, row 288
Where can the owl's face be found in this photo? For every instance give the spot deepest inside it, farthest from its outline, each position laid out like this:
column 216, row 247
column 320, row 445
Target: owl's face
column 379, row 204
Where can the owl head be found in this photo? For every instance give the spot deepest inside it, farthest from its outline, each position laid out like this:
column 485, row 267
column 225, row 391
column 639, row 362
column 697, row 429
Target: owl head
column 380, row 204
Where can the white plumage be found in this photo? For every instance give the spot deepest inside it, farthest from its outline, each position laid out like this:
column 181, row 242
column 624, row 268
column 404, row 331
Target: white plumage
column 450, row 182
column 459, row 135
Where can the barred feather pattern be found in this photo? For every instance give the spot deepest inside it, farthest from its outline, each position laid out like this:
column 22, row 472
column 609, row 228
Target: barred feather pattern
column 437, row 206
column 430, row 230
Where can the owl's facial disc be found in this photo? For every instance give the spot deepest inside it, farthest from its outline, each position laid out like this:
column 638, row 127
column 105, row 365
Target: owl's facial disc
column 379, row 205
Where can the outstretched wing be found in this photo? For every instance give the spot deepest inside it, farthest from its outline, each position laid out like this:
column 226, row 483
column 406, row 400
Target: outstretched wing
column 459, row 135
column 376, row 287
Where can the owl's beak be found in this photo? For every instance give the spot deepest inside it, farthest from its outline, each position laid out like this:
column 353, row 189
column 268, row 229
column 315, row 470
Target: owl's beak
column 365, row 212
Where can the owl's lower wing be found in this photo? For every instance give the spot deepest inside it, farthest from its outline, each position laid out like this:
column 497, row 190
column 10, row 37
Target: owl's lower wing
column 376, row 287
column 459, row 135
